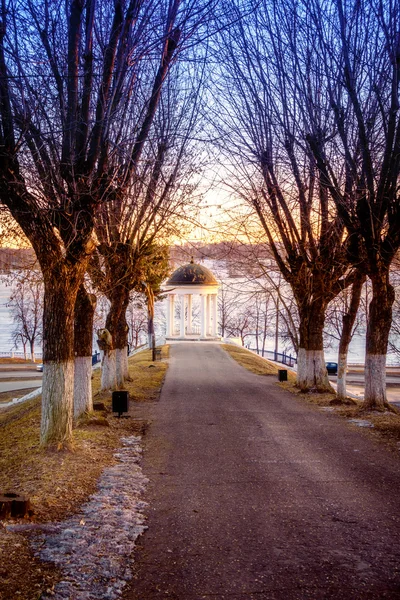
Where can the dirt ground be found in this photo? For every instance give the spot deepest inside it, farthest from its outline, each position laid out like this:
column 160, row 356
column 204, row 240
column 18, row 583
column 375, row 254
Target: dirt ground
column 57, row 483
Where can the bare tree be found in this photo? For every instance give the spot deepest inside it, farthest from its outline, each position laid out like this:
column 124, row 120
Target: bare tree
column 85, row 306
column 55, row 135
column 227, row 305
column 262, row 316
column 394, row 339
column 155, row 272
column 26, row 304
column 160, row 192
column 67, row 77
column 342, row 318
column 241, row 325
column 137, row 321
column 357, row 153
column 269, row 71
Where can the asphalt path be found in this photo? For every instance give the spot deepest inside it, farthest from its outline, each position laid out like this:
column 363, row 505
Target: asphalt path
column 255, row 494
column 15, row 377
column 14, row 386
column 358, row 378
column 20, row 375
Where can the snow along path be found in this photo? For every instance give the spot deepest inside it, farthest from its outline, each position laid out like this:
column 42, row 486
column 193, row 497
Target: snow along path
column 92, row 548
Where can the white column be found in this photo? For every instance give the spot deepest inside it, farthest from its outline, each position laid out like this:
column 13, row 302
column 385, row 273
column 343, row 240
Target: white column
column 172, row 314
column 182, row 329
column 202, row 316
column 189, row 315
column 208, row 328
column 168, row 317
column 215, row 315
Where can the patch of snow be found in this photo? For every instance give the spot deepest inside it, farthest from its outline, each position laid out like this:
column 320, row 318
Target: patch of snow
column 92, row 548
column 361, row 423
column 29, row 396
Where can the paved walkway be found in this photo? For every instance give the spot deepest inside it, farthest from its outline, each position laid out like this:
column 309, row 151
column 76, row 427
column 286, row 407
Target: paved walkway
column 254, row 494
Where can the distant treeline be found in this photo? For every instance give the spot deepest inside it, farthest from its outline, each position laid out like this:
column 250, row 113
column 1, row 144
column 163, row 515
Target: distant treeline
column 237, row 256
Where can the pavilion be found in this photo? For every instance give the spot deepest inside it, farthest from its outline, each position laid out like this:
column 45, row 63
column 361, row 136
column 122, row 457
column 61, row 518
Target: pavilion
column 186, row 282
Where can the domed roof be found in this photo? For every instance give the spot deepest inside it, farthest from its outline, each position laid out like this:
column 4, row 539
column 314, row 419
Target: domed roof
column 192, row 274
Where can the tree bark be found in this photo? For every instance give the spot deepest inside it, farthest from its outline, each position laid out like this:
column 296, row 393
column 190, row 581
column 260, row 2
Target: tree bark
column 58, row 357
column 311, row 368
column 83, row 343
column 122, row 366
column 83, row 400
column 346, row 335
column 117, row 325
column 378, row 328
column 108, row 361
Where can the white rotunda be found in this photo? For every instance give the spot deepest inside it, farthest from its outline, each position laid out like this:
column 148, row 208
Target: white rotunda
column 183, row 288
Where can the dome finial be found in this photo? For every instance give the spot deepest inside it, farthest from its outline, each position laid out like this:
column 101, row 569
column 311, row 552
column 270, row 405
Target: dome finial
column 191, row 260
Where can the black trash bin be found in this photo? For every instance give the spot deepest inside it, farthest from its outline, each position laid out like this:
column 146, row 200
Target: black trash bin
column 282, row 374
column 120, row 401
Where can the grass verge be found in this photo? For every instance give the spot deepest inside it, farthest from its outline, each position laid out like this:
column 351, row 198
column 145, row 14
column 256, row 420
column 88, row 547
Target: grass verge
column 254, row 363
column 57, row 483
column 386, row 426
column 8, row 360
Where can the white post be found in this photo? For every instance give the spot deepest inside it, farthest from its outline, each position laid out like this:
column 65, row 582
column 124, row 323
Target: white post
column 208, row 329
column 203, row 316
column 182, row 331
column 168, row 324
column 215, row 315
column 189, row 315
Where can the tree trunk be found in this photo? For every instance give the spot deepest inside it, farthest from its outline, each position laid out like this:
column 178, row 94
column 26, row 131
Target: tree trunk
column 108, row 360
column 83, row 344
column 121, row 357
column 32, row 348
column 346, row 335
column 378, row 328
column 257, row 330
column 83, row 401
column 311, row 368
column 150, row 322
column 58, row 357
column 117, row 325
column 109, row 371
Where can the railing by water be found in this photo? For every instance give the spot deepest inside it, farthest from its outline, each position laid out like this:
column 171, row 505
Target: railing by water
column 12, row 354
column 281, row 357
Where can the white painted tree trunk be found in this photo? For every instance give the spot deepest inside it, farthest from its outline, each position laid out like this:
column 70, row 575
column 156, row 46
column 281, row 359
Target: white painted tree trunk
column 122, row 366
column 341, row 376
column 57, row 402
column 83, row 401
column 311, row 370
column 375, row 381
column 109, row 371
